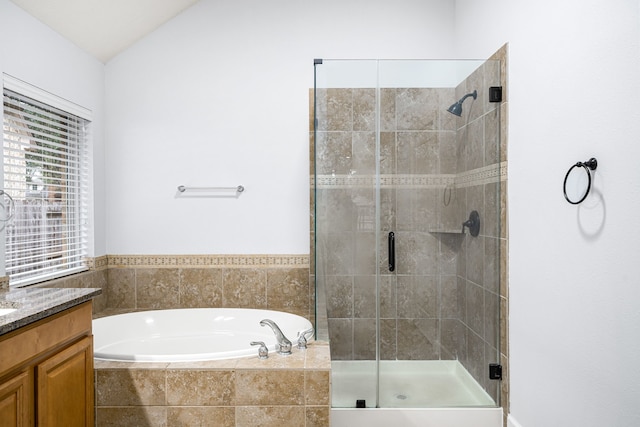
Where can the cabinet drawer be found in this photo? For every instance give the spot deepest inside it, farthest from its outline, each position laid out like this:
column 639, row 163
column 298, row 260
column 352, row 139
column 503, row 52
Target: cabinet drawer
column 24, row 344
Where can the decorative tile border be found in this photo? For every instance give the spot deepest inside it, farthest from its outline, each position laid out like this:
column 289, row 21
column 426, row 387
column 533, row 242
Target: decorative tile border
column 209, row 261
column 485, row 175
column 98, row 263
column 386, row 181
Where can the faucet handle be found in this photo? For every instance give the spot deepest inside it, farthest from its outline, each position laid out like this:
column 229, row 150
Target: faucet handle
column 302, row 338
column 263, row 351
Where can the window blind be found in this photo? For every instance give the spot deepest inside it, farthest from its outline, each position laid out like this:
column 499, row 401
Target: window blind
column 45, row 173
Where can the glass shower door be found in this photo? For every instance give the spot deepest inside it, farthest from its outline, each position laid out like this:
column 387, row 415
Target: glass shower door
column 395, row 171
column 346, row 223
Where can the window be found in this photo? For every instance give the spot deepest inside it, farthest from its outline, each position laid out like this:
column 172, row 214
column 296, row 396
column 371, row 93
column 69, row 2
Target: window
column 45, row 173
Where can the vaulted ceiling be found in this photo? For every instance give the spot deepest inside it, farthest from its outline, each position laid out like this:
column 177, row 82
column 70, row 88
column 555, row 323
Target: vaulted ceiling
column 104, row 28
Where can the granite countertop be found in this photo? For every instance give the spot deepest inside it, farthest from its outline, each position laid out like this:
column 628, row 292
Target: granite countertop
column 33, row 304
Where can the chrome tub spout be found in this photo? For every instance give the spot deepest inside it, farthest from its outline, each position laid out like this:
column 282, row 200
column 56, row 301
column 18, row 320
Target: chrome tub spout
column 283, row 345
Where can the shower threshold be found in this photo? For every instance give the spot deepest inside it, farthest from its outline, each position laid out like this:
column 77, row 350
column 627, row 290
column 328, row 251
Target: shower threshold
column 412, row 393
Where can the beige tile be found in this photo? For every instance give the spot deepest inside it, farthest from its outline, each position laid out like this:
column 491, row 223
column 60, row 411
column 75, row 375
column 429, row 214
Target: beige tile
column 200, row 287
column 364, row 296
column 364, row 259
column 109, row 364
column 317, row 387
column 318, row 355
column 288, row 290
column 270, row 416
column 388, row 110
column 127, row 387
column 504, row 267
column 388, row 152
column 449, row 306
column 276, row 387
column 318, row 416
column 201, row 416
column 417, row 339
column 491, row 280
column 341, row 338
column 475, row 308
column 244, row 288
column 364, row 339
column 122, row 289
column 418, row 152
column 100, row 280
column 453, row 339
column 144, row 416
column 295, row 360
column 339, row 290
column 416, row 253
column 200, row 388
column 224, row 364
column 491, row 318
column 504, row 384
column 334, row 152
column 417, row 108
column 418, row 297
column 339, row 116
column 388, row 342
column 504, row 326
column 157, row 287
column 364, row 152
column 364, row 109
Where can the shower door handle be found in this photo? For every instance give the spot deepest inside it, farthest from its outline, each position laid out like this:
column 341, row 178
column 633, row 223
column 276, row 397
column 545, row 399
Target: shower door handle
column 391, row 240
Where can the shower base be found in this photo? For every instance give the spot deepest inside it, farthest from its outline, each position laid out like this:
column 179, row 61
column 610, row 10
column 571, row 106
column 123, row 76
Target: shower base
column 412, row 393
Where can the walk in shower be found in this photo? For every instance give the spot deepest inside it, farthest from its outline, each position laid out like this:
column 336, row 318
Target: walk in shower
column 406, row 226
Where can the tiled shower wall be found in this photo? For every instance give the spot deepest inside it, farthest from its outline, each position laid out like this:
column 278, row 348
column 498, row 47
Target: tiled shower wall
column 417, row 160
column 442, row 302
column 473, row 331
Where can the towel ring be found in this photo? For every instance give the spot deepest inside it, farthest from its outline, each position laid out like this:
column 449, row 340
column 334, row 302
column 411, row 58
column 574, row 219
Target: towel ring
column 12, row 207
column 588, row 166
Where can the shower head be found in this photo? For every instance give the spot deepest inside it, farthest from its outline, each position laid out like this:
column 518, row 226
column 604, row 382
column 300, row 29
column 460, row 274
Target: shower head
column 457, row 107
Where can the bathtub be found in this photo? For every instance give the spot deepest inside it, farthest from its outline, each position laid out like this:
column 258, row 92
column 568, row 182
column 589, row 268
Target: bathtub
column 190, row 334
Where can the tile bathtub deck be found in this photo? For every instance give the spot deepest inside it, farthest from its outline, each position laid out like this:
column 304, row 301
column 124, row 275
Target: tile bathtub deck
column 232, row 391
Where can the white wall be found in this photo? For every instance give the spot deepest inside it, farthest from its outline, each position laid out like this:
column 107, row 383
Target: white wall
column 574, row 86
column 32, row 52
column 219, row 97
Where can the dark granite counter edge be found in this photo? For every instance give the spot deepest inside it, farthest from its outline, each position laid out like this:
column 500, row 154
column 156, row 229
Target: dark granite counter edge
column 25, row 316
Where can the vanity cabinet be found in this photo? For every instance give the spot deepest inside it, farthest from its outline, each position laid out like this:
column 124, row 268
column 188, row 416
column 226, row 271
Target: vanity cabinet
column 46, row 372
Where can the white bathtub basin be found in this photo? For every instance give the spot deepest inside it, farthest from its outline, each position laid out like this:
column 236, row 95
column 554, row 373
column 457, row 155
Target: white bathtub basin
column 192, row 334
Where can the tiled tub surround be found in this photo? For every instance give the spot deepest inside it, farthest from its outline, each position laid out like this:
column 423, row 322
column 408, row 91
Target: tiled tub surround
column 292, row 390
column 441, row 303
column 278, row 391
column 274, row 282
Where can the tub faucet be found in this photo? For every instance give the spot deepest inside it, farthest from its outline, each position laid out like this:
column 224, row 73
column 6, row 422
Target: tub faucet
column 283, row 345
column 302, row 338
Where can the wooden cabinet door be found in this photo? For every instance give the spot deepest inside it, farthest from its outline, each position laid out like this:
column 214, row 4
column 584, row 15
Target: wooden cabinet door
column 65, row 387
column 16, row 401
